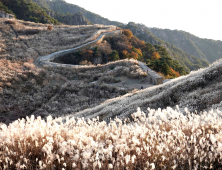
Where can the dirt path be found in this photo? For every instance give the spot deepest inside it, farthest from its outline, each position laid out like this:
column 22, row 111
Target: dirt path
column 133, row 83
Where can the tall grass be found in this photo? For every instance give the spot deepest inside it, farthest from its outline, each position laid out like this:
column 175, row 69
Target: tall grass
column 163, row 139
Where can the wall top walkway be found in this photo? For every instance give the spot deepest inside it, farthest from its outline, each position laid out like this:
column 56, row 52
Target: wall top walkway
column 156, row 78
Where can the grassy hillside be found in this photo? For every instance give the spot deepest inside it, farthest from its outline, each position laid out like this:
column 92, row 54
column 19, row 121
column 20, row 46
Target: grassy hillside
column 198, row 91
column 165, row 138
column 63, row 7
column 190, row 62
column 207, row 49
column 26, row 89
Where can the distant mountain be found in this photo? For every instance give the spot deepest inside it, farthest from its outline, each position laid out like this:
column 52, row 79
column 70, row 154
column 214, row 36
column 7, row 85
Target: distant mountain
column 190, row 62
column 70, row 19
column 207, row 49
column 63, row 7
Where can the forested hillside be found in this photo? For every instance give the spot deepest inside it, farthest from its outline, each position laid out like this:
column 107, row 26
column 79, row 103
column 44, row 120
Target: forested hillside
column 189, row 61
column 207, row 49
column 63, row 7
column 5, row 8
column 27, row 10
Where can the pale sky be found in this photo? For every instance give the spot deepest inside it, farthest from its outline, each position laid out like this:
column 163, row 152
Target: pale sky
column 202, row 18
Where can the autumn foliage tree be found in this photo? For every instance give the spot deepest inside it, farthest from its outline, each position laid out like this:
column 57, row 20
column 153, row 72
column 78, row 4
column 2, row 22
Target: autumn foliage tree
column 173, row 73
column 155, row 56
column 125, row 54
column 128, row 33
column 134, row 55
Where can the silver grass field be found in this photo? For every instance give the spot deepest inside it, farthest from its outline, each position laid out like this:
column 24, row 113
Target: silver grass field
column 164, row 139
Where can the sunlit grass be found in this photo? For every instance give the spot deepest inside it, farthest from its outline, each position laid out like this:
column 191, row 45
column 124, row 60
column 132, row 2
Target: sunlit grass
column 164, row 139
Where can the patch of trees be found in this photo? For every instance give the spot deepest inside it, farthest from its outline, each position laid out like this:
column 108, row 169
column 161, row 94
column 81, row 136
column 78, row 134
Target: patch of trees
column 127, row 46
column 188, row 61
column 5, row 9
column 28, row 10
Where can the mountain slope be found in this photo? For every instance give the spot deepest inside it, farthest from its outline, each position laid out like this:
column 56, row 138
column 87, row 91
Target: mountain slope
column 29, row 11
column 189, row 61
column 207, row 49
column 198, row 91
column 63, row 7
column 26, row 89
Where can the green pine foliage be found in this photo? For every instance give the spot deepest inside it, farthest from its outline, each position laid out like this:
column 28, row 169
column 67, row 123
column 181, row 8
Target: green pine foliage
column 114, row 55
column 5, row 9
column 29, row 11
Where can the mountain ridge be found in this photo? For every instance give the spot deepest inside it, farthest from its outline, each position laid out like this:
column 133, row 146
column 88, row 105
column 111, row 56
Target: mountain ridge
column 191, row 62
column 63, row 7
column 203, row 48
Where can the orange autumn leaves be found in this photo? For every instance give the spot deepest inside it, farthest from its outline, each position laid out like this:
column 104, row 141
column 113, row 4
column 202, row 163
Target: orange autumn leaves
column 173, row 73
column 155, row 56
column 128, row 33
column 133, row 54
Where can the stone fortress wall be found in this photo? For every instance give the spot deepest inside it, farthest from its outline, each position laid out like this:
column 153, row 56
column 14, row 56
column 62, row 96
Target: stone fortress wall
column 46, row 60
column 6, row 15
column 155, row 78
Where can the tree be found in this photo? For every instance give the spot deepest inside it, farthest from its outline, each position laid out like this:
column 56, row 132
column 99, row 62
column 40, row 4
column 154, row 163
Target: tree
column 165, row 69
column 155, row 56
column 173, row 73
column 114, row 56
column 128, row 33
column 125, row 54
column 134, row 55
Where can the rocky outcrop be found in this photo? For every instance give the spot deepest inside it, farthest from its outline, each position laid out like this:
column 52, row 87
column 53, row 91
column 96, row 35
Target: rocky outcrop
column 73, row 19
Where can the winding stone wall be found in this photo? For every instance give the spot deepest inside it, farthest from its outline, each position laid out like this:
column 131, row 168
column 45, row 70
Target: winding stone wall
column 156, row 78
column 46, row 60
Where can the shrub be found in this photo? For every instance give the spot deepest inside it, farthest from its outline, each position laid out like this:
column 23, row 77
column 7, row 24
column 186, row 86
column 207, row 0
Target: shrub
column 114, row 55
column 49, row 28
